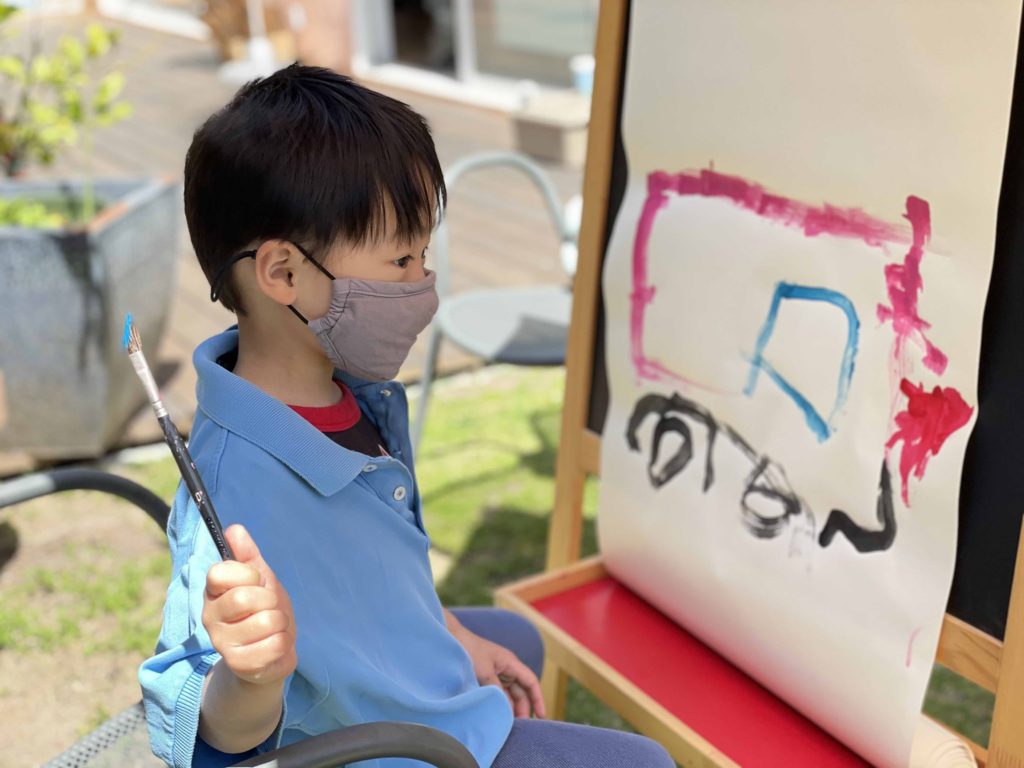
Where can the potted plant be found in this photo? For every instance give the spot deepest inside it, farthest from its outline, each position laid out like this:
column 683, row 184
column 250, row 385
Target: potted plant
column 75, row 255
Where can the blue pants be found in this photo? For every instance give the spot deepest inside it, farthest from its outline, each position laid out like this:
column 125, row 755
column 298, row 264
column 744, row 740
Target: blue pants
column 532, row 743
column 548, row 743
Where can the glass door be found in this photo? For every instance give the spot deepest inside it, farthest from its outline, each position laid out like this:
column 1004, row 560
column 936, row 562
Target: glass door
column 424, row 34
column 533, row 39
column 466, row 39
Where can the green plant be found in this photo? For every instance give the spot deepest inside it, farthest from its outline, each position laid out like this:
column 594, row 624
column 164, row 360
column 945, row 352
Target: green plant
column 16, row 212
column 56, row 100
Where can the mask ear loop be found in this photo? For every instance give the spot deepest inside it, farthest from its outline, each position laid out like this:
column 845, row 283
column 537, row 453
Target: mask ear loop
column 316, row 264
column 218, row 279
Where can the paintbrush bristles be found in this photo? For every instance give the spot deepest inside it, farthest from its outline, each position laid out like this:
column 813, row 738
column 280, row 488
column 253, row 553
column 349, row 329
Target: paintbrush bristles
column 134, row 340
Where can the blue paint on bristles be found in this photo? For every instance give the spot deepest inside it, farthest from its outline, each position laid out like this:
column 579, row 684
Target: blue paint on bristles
column 127, row 330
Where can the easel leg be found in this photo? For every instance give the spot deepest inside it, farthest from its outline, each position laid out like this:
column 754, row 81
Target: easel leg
column 555, row 684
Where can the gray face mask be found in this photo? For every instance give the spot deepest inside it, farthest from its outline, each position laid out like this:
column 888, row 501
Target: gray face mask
column 371, row 324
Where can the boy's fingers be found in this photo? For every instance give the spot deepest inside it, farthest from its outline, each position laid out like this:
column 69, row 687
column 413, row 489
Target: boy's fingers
column 523, row 676
column 520, row 701
column 240, row 602
column 259, row 661
column 490, row 680
column 242, row 545
column 246, row 551
column 506, row 685
column 536, row 694
column 253, row 629
column 229, row 574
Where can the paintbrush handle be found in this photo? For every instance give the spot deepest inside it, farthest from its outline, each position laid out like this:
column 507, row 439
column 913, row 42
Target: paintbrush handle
column 195, row 486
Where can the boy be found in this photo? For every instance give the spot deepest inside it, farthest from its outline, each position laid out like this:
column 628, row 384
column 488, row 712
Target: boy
column 310, row 202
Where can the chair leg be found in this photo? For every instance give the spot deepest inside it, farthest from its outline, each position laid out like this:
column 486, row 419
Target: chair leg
column 555, row 686
column 433, row 348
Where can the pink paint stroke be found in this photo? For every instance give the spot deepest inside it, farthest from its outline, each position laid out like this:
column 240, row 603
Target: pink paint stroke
column 923, row 427
column 827, row 219
column 904, row 284
column 910, row 645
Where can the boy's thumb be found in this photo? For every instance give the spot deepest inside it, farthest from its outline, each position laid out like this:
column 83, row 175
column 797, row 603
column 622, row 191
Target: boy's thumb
column 242, row 545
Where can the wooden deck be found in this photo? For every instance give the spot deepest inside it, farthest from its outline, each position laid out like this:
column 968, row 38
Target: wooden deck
column 500, row 230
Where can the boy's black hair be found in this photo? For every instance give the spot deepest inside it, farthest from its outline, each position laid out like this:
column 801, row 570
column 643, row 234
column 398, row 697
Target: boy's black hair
column 310, row 156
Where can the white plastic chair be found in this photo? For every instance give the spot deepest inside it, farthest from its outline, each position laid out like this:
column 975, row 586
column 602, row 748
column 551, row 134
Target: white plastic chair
column 517, row 325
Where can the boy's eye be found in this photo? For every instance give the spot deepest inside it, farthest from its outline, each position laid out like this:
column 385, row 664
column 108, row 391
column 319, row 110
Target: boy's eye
column 404, row 261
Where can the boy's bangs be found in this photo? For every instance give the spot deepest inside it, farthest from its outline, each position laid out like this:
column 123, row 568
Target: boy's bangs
column 405, row 208
column 377, row 185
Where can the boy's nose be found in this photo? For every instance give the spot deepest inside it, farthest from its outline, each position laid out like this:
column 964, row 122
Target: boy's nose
column 416, row 271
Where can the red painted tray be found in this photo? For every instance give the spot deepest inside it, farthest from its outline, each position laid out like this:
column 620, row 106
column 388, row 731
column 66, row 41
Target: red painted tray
column 740, row 717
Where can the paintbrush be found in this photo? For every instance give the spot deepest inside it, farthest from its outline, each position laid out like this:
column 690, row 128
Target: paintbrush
column 133, row 343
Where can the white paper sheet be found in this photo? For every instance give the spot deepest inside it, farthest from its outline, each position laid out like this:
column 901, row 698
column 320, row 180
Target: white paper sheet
column 794, row 293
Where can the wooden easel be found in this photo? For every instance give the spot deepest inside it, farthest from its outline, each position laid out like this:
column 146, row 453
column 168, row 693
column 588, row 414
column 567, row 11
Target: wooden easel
column 994, row 665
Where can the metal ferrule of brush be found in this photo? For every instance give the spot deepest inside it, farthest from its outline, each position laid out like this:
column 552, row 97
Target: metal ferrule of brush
column 148, row 383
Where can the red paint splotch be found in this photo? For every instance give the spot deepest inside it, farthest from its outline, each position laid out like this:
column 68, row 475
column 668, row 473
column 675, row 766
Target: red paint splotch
column 929, row 418
column 904, row 283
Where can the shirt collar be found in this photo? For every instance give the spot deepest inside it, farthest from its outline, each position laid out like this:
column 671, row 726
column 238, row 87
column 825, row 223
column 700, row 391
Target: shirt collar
column 247, row 411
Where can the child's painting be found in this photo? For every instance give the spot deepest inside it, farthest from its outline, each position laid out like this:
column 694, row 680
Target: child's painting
column 794, row 293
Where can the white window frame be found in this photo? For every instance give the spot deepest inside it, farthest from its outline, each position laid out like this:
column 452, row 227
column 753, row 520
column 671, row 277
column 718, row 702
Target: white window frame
column 373, row 28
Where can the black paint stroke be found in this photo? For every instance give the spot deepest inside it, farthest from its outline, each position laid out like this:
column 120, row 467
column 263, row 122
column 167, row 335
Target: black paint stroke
column 682, row 457
column 766, row 486
column 864, row 539
column 662, row 406
column 768, row 483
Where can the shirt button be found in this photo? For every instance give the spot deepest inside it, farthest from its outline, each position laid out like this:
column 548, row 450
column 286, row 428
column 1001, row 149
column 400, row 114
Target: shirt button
column 369, row 468
column 386, row 392
column 399, row 493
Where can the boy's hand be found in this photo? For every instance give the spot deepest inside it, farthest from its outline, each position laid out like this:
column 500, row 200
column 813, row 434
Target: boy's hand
column 496, row 665
column 248, row 614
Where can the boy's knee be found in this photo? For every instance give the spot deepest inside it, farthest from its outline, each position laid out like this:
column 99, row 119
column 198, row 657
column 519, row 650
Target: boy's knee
column 652, row 755
column 530, row 648
column 641, row 751
column 507, row 629
column 543, row 743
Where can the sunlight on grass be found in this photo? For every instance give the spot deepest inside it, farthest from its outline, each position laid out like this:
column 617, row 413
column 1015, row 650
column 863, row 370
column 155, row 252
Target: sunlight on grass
column 48, row 610
column 960, row 704
column 496, row 453
column 99, row 716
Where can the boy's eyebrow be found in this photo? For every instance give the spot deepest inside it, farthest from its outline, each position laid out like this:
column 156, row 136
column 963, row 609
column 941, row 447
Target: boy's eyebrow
column 400, row 253
column 410, row 243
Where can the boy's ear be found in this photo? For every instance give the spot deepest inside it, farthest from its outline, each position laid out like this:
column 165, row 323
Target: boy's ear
column 277, row 263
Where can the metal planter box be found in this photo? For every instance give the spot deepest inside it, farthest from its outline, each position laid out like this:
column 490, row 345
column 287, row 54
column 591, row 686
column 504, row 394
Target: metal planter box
column 67, row 388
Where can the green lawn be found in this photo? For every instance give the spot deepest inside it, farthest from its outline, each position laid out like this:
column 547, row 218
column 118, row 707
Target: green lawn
column 487, row 476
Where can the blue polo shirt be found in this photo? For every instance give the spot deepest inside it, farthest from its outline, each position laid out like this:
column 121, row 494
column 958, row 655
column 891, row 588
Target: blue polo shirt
column 343, row 533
